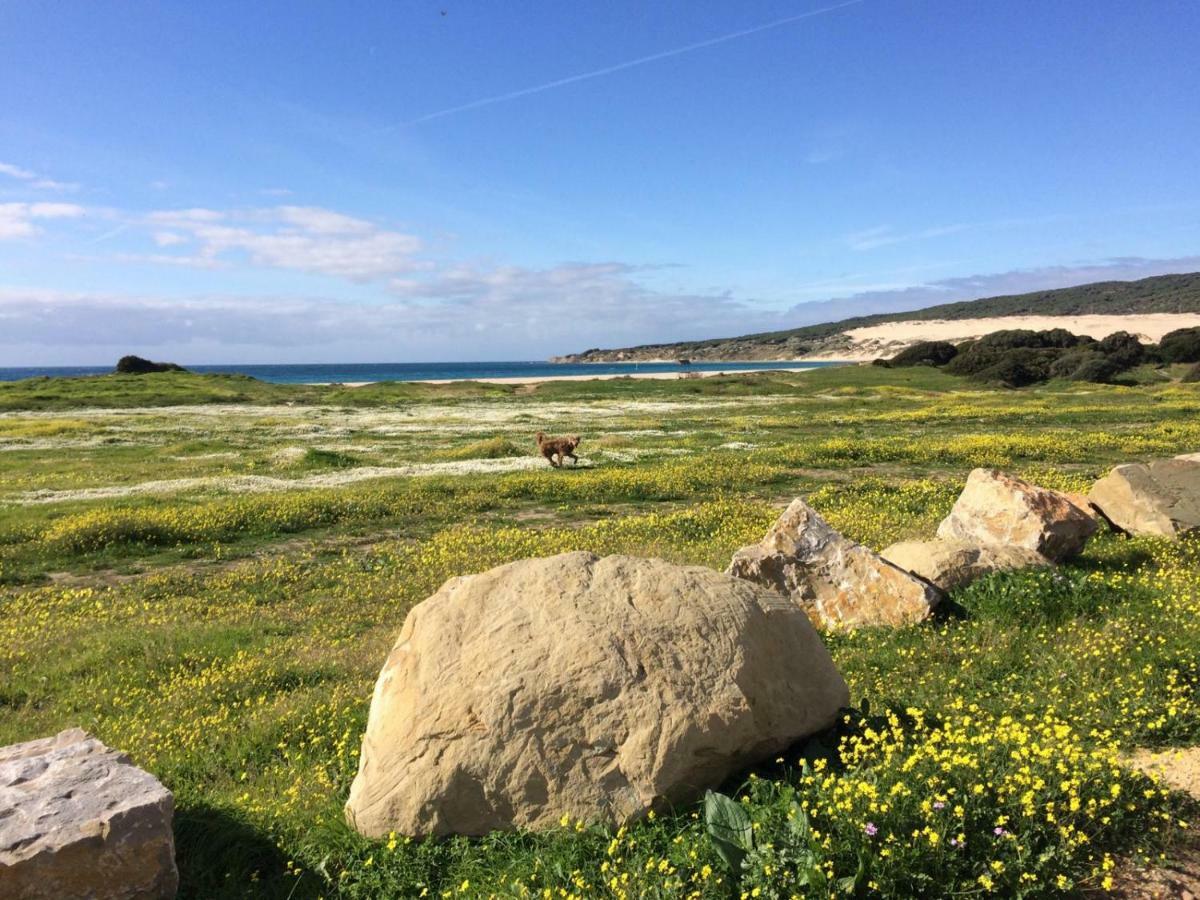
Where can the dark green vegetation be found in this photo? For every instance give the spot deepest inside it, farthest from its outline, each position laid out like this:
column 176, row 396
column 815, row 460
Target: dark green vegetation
column 1181, row 346
column 228, row 640
column 1020, row 357
column 1159, row 294
column 926, row 353
column 135, row 365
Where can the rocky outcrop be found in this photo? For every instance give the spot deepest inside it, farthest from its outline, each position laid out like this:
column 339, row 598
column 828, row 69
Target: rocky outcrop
column 996, row 509
column 1161, row 497
column 839, row 583
column 591, row 687
column 954, row 564
column 79, row 820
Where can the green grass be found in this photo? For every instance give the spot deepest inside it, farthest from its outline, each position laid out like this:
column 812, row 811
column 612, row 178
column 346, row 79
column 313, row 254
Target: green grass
column 244, row 683
column 490, row 448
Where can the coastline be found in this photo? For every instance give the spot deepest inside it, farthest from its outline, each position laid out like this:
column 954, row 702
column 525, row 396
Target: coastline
column 605, row 376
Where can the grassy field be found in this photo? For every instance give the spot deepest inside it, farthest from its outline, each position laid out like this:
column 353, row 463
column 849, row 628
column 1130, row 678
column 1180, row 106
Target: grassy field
column 208, row 571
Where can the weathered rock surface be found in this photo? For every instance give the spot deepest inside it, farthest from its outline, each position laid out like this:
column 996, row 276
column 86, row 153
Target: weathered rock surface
column 1161, row 497
column 592, row 687
column 954, row 564
column 80, row 820
column 998, row 509
column 838, row 582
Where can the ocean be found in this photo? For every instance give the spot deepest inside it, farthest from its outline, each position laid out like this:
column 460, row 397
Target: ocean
column 350, row 372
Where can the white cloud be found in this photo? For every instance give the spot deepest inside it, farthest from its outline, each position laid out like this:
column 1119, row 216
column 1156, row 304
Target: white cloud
column 49, row 184
column 55, row 210
column 184, row 218
column 462, row 313
column 884, row 235
column 301, row 238
column 16, row 172
column 508, row 313
column 18, row 219
column 316, row 220
column 35, row 180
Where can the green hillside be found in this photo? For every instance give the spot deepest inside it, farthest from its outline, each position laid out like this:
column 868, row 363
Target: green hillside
column 1159, row 294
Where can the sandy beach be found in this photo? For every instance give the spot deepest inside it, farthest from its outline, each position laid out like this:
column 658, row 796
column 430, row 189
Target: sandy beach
column 684, row 373
column 606, row 376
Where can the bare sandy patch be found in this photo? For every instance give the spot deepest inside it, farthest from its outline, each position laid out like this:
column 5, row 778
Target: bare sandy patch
column 1177, row 768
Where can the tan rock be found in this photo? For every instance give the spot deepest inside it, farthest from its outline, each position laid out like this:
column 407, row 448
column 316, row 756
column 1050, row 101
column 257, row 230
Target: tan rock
column 839, row 583
column 998, row 509
column 955, row 564
column 592, row 687
column 1157, row 498
column 80, row 820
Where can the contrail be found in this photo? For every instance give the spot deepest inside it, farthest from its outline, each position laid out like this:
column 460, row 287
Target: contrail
column 125, row 226
column 618, row 67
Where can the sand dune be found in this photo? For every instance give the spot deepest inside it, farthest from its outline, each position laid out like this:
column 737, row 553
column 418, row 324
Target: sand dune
column 891, row 337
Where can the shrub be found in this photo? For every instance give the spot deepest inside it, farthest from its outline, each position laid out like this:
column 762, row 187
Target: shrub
column 1015, row 369
column 926, row 353
column 1067, row 364
column 1023, row 337
column 1086, row 365
column 1098, row 369
column 1181, row 346
column 1016, row 356
column 1020, row 357
column 135, row 365
column 1192, row 374
column 1123, row 349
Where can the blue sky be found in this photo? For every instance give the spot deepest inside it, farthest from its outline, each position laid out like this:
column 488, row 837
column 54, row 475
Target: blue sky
column 271, row 182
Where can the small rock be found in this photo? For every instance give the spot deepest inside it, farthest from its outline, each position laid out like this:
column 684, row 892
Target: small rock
column 1157, row 498
column 999, row 509
column 80, row 820
column 596, row 688
column 838, row 582
column 954, row 564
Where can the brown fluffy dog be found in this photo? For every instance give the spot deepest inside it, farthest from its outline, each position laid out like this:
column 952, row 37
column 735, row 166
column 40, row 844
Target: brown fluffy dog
column 561, row 447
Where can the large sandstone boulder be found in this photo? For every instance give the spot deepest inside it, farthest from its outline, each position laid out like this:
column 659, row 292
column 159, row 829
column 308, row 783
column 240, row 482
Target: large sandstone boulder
column 954, row 564
column 80, row 820
column 998, row 509
column 1160, row 498
column 576, row 685
column 839, row 583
